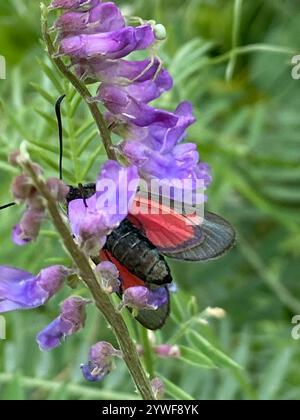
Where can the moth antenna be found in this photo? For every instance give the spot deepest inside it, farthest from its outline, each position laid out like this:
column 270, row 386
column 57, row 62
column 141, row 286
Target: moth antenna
column 81, row 188
column 60, row 133
column 7, row 206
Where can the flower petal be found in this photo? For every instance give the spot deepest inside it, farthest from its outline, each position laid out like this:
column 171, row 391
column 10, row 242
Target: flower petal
column 22, row 290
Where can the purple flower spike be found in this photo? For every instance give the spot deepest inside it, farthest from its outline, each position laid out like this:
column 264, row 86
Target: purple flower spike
column 73, row 4
column 111, row 45
column 100, row 362
column 110, row 276
column 142, row 298
column 70, row 321
column 22, row 290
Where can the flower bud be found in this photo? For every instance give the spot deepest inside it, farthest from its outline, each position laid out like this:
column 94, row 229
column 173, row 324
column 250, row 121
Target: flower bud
column 167, row 351
column 110, row 276
column 58, row 189
column 218, row 313
column 22, row 188
column 158, row 388
column 160, row 32
column 29, row 227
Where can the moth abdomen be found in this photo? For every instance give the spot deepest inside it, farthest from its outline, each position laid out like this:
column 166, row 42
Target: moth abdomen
column 131, row 248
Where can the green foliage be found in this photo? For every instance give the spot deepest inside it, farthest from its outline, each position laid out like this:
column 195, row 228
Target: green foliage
column 232, row 60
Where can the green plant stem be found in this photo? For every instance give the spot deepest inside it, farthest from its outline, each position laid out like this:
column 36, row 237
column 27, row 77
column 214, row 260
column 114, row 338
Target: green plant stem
column 73, row 389
column 235, row 38
column 247, row 49
column 73, row 143
column 79, row 86
column 148, row 352
column 102, row 300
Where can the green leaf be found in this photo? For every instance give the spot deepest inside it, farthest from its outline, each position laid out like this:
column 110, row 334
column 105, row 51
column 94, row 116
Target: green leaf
column 52, row 76
column 174, row 391
column 195, row 358
column 177, row 311
column 274, row 377
column 217, row 356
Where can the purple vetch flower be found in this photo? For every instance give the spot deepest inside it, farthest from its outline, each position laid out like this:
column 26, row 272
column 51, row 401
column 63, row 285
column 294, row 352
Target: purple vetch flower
column 22, row 290
column 181, row 163
column 73, row 4
column 71, row 319
column 110, row 45
column 141, row 298
column 159, row 152
column 163, row 139
column 29, row 227
column 104, row 17
column 93, row 219
column 127, row 109
column 142, row 91
column 167, row 351
column 109, row 276
column 119, row 71
column 129, row 103
column 100, row 361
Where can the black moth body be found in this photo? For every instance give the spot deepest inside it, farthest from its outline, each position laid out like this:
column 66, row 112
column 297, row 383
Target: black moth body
column 132, row 249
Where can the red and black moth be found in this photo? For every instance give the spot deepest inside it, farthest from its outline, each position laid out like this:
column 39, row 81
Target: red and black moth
column 138, row 247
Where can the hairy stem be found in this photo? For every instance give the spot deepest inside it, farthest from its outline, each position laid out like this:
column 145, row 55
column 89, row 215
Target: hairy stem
column 102, row 300
column 79, row 86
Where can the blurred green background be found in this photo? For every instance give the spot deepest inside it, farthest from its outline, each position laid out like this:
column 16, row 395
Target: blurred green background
column 232, row 59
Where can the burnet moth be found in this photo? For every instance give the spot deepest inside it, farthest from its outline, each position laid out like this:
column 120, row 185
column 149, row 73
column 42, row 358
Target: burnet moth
column 138, row 247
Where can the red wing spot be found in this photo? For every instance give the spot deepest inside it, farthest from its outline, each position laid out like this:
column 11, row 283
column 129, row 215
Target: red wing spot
column 128, row 279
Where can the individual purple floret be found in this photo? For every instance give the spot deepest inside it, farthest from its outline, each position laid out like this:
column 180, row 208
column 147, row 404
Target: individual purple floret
column 100, row 362
column 104, row 17
column 22, row 290
column 71, row 320
column 73, row 4
column 141, row 298
column 109, row 45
